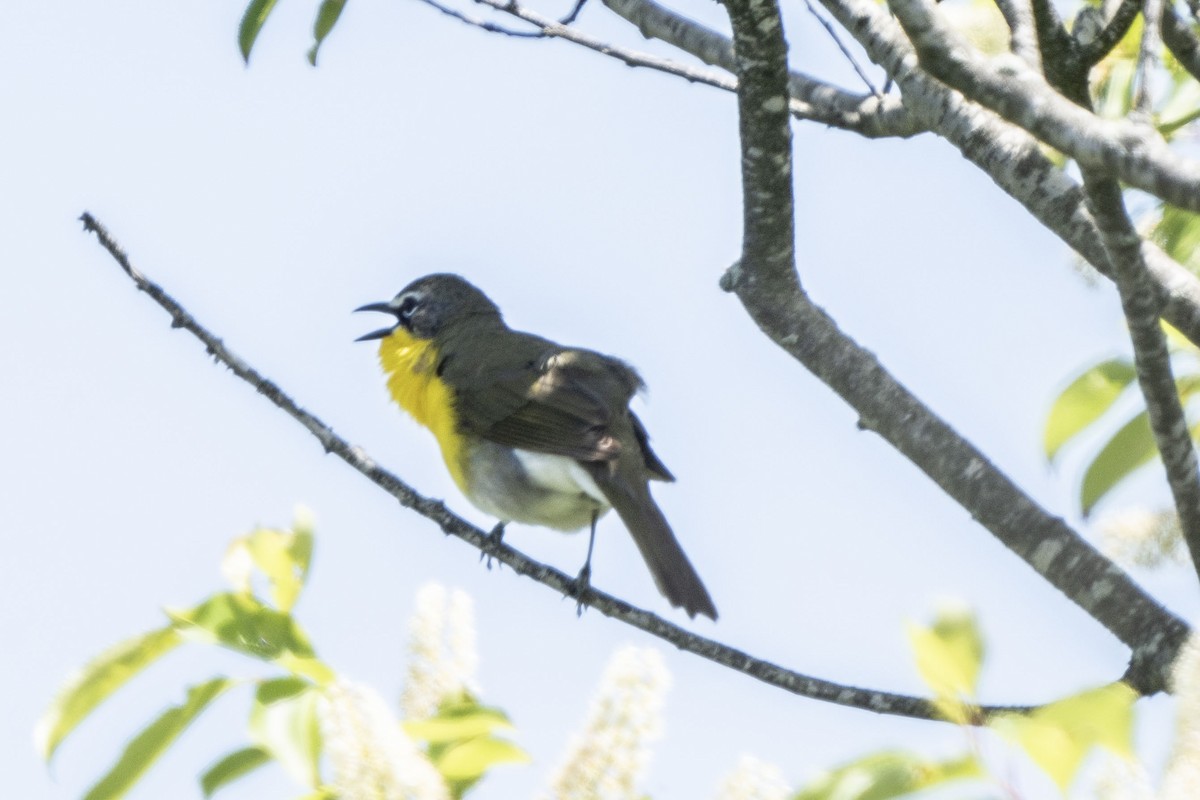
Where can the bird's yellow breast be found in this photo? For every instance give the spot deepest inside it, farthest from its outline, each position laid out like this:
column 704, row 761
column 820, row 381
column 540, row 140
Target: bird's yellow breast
column 411, row 368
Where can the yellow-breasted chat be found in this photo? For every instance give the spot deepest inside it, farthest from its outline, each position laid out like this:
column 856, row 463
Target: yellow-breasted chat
column 531, row 431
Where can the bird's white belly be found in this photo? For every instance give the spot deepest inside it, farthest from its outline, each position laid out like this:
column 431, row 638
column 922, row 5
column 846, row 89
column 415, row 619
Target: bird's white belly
column 559, row 474
column 535, row 488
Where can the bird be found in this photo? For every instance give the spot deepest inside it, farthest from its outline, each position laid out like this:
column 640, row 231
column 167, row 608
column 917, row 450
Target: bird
column 531, row 431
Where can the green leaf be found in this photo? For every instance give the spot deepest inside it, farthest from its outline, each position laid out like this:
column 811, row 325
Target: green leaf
column 284, row 722
column 1059, row 736
column 1084, row 401
column 949, row 655
column 888, row 774
column 309, row 667
column 1128, row 449
column 327, row 17
column 469, row 760
column 96, row 682
column 1178, row 233
column 458, row 720
column 242, row 623
column 252, row 23
column 145, row 748
column 231, row 767
column 1173, row 125
column 282, row 556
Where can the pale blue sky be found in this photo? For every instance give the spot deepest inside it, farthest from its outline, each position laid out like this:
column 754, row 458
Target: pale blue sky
column 598, row 206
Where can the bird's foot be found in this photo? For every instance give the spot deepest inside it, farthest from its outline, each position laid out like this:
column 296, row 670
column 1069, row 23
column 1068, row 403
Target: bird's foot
column 583, row 582
column 494, row 539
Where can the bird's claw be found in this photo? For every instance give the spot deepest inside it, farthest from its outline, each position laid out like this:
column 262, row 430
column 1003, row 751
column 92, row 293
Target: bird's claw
column 583, row 582
column 495, row 538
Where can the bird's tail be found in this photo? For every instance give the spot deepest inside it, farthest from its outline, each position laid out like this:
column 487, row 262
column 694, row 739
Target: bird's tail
column 673, row 573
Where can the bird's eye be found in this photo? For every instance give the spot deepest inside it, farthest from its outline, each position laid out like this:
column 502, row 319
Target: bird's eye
column 407, row 306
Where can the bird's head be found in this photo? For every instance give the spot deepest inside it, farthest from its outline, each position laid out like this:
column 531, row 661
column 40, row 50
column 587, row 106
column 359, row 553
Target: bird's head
column 430, row 305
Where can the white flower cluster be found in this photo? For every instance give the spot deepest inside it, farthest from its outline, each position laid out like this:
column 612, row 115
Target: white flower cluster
column 754, row 779
column 1143, row 538
column 606, row 759
column 372, row 758
column 1127, row 780
column 442, row 658
column 1182, row 779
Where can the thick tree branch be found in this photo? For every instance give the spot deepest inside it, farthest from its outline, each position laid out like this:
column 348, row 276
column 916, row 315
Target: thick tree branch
column 1150, row 355
column 1134, row 152
column 766, row 282
column 453, row 525
column 768, row 234
column 1012, row 158
column 1009, row 155
column 1043, row 541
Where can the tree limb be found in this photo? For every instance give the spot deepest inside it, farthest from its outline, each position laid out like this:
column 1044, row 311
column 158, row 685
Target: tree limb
column 766, row 282
column 768, row 212
column 1012, row 158
column 1134, row 152
column 1181, row 40
column 453, row 525
column 1151, row 357
column 1005, row 152
column 1024, row 39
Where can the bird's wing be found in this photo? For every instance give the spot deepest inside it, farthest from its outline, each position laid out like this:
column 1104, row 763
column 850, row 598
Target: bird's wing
column 532, row 394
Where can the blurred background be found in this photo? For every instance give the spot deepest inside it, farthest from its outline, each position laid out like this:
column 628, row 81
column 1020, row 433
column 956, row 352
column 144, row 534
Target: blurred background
column 597, row 205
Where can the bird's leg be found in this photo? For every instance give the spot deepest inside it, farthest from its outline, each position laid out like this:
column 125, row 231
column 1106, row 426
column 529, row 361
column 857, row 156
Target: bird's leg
column 494, row 539
column 583, row 581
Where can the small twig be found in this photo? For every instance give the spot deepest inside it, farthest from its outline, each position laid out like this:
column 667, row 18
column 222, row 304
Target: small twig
column 833, row 34
column 812, row 99
column 478, row 22
column 494, row 548
column 817, row 101
column 574, row 13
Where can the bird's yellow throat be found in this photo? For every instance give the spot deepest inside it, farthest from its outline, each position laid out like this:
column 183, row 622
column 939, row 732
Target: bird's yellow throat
column 411, row 368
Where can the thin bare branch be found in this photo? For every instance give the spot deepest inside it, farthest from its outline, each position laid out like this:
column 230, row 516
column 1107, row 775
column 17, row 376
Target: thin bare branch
column 453, row 525
column 837, row 39
column 552, row 28
column 864, row 114
column 1153, row 361
column 1134, row 152
column 573, row 14
column 483, row 24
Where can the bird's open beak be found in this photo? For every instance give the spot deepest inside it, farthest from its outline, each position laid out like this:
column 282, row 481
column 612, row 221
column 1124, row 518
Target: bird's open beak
column 382, row 332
